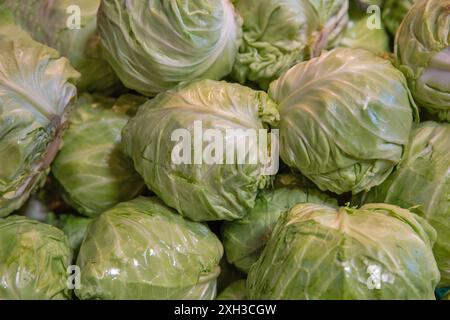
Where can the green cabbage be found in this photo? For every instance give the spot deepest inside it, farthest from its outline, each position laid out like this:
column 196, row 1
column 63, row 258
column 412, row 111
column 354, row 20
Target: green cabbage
column 422, row 47
column 245, row 239
column 203, row 191
column 379, row 251
column 33, row 260
column 46, row 21
column 280, row 33
column 235, row 291
column 141, row 249
column 91, row 169
column 35, row 96
column 422, row 183
column 154, row 45
column 345, row 119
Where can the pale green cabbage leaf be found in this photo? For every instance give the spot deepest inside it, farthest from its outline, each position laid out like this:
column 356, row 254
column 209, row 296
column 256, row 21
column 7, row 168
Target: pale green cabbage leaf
column 51, row 22
column 379, row 251
column 92, row 171
column 35, row 99
column 244, row 239
column 277, row 34
column 33, row 260
column 345, row 117
column 154, row 45
column 203, row 191
column 422, row 184
column 422, row 47
column 142, row 249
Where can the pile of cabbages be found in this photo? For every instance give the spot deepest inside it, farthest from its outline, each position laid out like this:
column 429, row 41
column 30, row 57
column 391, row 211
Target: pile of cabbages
column 352, row 97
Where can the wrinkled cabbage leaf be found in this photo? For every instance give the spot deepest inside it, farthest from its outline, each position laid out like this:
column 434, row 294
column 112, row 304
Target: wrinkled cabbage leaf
column 379, row 251
column 201, row 192
column 421, row 183
column 33, row 260
column 345, row 119
column 92, row 171
column 142, row 249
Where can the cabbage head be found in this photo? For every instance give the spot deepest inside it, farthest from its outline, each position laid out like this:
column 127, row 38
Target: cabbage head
column 345, row 118
column 379, row 251
column 33, row 260
column 47, row 22
column 422, row 183
column 394, row 11
column 197, row 188
column 153, row 45
column 244, row 239
column 92, row 171
column 235, row 291
column 277, row 34
column 422, row 47
column 358, row 35
column 142, row 249
column 35, row 99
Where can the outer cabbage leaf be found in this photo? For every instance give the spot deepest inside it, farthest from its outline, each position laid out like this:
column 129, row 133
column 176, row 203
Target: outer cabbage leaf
column 235, row 291
column 358, row 35
column 422, row 47
column 203, row 191
column 333, row 18
column 33, row 260
column 154, row 45
column 93, row 172
column 345, row 118
column 422, row 183
column 379, row 251
column 141, row 249
column 244, row 239
column 48, row 22
column 35, row 95
column 277, row 34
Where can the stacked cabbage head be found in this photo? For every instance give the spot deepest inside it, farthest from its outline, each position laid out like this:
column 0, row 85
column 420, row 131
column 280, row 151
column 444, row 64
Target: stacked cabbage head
column 154, row 45
column 35, row 96
column 193, row 146
column 69, row 26
column 422, row 183
column 244, row 239
column 33, row 260
column 422, row 47
column 141, row 249
column 345, row 119
column 379, row 251
column 280, row 33
column 91, row 169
